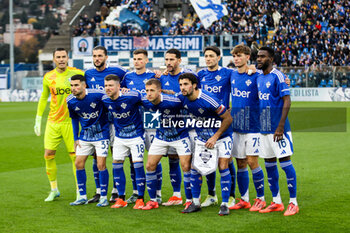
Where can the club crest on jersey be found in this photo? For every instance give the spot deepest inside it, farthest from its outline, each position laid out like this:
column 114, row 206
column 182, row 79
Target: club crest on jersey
column 167, row 111
column 167, row 84
column 145, row 81
column 131, row 83
column 123, row 105
column 205, row 156
column 218, row 78
column 93, row 79
column 200, row 110
column 248, row 82
column 76, row 109
column 93, row 105
column 268, row 84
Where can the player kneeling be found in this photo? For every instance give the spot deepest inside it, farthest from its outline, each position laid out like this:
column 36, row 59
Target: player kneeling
column 128, row 137
column 86, row 107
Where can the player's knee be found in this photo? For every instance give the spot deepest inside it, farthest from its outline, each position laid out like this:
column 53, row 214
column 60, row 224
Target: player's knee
column 49, row 157
column 253, row 162
column 284, row 159
column 223, row 164
column 186, row 167
column 101, row 167
column 79, row 164
column 151, row 167
column 241, row 163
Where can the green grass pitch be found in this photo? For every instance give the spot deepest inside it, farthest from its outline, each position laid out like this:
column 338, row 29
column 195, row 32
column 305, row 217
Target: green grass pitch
column 321, row 160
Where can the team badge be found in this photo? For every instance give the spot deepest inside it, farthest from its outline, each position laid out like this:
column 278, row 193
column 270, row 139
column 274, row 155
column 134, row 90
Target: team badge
column 93, row 105
column 205, row 155
column 167, row 111
column 268, row 84
column 218, row 78
column 145, row 81
column 248, row 82
column 123, row 105
column 200, row 110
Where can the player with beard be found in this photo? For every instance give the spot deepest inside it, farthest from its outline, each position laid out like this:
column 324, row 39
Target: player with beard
column 170, row 85
column 95, row 80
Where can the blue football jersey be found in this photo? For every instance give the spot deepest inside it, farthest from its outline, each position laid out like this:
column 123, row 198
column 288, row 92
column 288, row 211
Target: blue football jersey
column 245, row 102
column 169, row 106
column 217, row 82
column 206, row 109
column 170, row 82
column 91, row 114
column 96, row 79
column 126, row 115
column 136, row 82
column 272, row 88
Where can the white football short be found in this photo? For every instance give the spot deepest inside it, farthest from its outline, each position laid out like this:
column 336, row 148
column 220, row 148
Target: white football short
column 150, row 134
column 280, row 149
column 245, row 144
column 224, row 146
column 193, row 137
column 160, row 147
column 124, row 146
column 88, row 148
column 111, row 134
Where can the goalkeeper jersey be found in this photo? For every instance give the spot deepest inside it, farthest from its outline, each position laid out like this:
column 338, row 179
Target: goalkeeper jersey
column 58, row 85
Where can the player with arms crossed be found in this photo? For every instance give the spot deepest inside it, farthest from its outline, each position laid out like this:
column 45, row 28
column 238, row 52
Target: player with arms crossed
column 170, row 85
column 95, row 80
column 59, row 125
column 128, row 137
column 135, row 80
column 246, row 130
column 276, row 139
column 86, row 107
column 202, row 105
column 166, row 137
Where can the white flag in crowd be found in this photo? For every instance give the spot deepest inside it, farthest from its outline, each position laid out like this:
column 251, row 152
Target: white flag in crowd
column 209, row 11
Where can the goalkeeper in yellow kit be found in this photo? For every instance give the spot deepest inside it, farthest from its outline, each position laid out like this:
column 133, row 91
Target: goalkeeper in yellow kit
column 59, row 125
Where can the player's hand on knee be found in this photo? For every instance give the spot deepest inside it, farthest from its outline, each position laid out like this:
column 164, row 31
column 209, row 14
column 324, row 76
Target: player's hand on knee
column 37, row 126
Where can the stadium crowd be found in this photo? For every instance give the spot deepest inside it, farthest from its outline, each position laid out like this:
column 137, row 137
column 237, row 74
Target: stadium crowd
column 305, row 32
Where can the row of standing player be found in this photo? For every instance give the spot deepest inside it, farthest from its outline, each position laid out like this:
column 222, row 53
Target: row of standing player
column 215, row 80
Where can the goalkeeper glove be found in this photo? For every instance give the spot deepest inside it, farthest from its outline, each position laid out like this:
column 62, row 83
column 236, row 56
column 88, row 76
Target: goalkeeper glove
column 37, row 126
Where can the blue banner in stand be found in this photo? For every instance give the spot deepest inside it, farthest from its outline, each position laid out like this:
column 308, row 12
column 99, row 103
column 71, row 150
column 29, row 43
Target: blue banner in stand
column 153, row 43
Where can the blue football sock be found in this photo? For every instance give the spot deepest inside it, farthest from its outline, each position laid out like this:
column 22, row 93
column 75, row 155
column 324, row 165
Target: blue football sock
column 140, row 178
column 211, row 178
column 96, row 173
column 288, row 168
column 225, row 182
column 196, row 183
column 119, row 178
column 187, row 185
column 132, row 175
column 151, row 180
column 175, row 174
column 104, row 179
column 243, row 183
column 272, row 177
column 231, row 166
column 258, row 179
column 81, row 178
column 159, row 172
